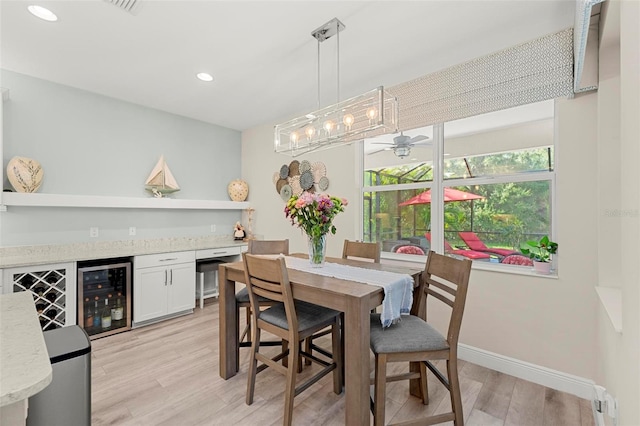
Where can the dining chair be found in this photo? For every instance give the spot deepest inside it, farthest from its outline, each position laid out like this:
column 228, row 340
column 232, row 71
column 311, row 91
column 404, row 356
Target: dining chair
column 361, row 250
column 413, row 339
column 242, row 297
column 292, row 321
column 351, row 249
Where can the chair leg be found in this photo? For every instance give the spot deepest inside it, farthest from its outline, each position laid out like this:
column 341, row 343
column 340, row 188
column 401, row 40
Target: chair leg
column 338, row 379
column 290, row 391
column 380, row 390
column 247, row 328
column 456, row 399
column 307, row 348
column 424, row 389
column 253, row 365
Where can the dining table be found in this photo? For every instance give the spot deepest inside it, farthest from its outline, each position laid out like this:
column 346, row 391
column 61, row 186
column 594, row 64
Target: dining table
column 355, row 299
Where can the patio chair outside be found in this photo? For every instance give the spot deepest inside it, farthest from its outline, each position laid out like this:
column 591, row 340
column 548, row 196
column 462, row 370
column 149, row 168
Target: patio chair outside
column 470, row 254
column 475, row 243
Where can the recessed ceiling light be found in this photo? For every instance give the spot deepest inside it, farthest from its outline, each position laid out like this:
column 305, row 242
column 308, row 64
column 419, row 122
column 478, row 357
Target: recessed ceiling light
column 42, row 13
column 204, row 76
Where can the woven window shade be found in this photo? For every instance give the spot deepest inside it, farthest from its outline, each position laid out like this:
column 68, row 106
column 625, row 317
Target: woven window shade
column 535, row 71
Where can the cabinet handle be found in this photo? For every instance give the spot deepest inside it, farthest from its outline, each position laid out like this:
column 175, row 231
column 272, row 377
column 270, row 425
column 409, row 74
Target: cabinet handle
column 165, row 277
column 168, row 259
column 170, row 276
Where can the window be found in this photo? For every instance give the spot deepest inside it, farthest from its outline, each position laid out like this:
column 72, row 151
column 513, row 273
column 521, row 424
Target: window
column 496, row 174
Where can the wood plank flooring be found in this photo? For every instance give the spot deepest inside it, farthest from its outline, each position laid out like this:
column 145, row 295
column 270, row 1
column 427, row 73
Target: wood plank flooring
column 167, row 374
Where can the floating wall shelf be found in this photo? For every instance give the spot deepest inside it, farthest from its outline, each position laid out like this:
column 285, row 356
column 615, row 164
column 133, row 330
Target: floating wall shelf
column 8, row 199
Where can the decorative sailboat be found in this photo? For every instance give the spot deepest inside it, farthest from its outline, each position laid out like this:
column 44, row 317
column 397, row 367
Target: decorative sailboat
column 161, row 182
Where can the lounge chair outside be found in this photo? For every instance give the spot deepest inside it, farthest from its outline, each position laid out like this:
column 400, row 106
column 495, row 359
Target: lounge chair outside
column 470, row 254
column 475, row 243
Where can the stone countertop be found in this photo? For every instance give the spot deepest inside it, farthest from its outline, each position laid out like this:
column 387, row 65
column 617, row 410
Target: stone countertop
column 24, row 361
column 60, row 253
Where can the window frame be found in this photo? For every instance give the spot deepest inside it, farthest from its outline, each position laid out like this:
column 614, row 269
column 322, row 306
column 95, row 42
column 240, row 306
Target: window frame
column 437, row 213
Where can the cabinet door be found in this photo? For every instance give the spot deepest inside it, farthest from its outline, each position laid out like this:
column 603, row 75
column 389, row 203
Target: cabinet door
column 150, row 293
column 182, row 287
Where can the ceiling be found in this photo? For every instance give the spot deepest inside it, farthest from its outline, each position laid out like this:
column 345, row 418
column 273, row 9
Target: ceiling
column 260, row 53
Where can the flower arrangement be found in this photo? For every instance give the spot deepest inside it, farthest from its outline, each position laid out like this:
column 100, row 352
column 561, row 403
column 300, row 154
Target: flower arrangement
column 314, row 214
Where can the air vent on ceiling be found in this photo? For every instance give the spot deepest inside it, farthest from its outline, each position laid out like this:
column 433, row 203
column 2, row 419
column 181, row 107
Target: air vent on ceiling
column 131, row 6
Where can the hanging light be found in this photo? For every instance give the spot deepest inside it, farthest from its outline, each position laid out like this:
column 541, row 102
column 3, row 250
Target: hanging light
column 343, row 122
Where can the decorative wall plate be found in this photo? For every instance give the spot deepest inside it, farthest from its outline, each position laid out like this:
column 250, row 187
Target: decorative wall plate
column 294, row 168
column 305, row 166
column 284, row 171
column 285, row 192
column 295, row 185
column 280, row 184
column 323, row 183
column 306, row 180
column 319, row 170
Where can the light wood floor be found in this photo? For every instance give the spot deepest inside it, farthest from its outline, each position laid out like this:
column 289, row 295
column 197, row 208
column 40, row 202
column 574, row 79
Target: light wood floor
column 167, row 374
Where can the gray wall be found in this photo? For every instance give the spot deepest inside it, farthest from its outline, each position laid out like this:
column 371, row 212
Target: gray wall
column 89, row 144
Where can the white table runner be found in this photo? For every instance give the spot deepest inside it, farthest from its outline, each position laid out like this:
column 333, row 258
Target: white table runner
column 398, row 288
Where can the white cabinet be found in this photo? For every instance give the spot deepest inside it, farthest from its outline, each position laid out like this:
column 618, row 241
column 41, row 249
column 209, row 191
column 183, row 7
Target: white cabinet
column 53, row 288
column 163, row 286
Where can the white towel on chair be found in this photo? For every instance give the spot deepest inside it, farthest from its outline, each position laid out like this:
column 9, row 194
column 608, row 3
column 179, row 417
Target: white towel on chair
column 398, row 288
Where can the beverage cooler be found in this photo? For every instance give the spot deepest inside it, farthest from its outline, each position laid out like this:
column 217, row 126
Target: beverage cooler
column 104, row 296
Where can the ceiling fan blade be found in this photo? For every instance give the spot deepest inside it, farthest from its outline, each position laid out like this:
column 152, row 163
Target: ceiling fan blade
column 378, row 150
column 418, row 138
column 382, row 143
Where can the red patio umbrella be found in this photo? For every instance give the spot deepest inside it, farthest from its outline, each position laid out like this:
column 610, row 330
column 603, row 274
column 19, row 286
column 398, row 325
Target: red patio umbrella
column 450, row 194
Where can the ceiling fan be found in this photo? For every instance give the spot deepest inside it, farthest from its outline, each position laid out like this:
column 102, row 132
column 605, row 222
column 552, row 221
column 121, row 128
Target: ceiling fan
column 402, row 144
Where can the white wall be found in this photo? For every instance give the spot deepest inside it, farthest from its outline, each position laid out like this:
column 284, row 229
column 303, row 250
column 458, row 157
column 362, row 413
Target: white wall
column 539, row 320
column 90, row 144
column 618, row 236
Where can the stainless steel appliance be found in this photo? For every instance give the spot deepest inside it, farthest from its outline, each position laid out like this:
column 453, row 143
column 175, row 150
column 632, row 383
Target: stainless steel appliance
column 104, row 296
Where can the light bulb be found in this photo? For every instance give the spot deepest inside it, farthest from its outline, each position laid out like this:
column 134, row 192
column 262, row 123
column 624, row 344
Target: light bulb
column 293, row 137
column 348, row 120
column 310, row 131
column 329, row 125
column 42, row 13
column 372, row 113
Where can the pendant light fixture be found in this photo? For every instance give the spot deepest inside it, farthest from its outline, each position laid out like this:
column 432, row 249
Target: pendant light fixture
column 341, row 123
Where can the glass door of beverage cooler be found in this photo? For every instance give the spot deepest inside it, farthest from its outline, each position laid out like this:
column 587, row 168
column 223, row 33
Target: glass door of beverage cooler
column 104, row 298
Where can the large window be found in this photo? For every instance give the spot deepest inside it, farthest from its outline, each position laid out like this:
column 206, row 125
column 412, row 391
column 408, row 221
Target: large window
column 494, row 181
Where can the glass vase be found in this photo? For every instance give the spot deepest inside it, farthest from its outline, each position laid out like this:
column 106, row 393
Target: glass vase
column 317, row 249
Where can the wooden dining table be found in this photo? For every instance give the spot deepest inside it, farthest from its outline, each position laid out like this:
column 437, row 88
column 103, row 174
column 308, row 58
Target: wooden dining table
column 354, row 299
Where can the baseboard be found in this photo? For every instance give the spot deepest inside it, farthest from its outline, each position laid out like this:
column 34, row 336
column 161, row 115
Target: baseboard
column 579, row 386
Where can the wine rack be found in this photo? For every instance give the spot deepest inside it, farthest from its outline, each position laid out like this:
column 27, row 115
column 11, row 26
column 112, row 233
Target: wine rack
column 53, row 290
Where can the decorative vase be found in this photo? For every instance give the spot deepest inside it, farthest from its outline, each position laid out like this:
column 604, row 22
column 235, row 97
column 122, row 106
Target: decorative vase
column 24, row 174
column 317, row 249
column 542, row 267
column 238, row 190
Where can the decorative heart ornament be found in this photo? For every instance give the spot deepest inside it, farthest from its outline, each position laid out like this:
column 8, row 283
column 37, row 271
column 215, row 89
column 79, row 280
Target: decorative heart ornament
column 25, row 174
column 238, row 190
